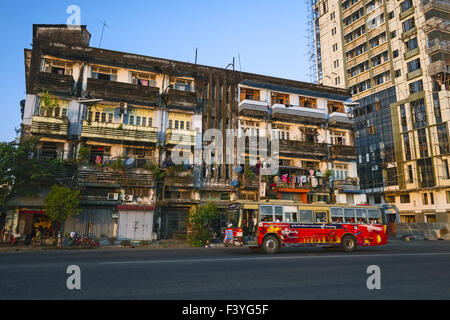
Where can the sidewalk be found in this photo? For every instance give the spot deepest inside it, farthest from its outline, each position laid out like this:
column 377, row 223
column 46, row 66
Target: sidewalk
column 162, row 244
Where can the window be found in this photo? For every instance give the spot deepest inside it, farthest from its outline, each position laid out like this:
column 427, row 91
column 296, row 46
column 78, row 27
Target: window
column 418, row 113
column 443, row 138
column 335, row 47
column 249, row 94
column 97, row 116
column 144, row 121
column 110, row 117
column 333, row 31
column 337, row 80
column 131, row 120
column 393, row 34
column 397, row 73
column 307, row 102
column 447, row 194
column 390, row 199
column 150, row 122
column 410, row 174
column 404, row 198
column 266, row 214
column 408, row 24
column 374, row 216
column 361, row 214
column 57, row 67
column 182, row 125
column 143, row 79
column 424, row 198
column 423, row 147
column 405, row 5
column 391, row 15
column 407, row 146
column 104, row 73
column 170, row 124
column 279, row 98
column 176, row 124
column 181, row 84
column 446, row 169
column 431, row 197
column 395, row 53
column 321, row 217
column 278, row 214
column 337, row 215
column 325, row 7
column 306, row 216
column 411, row 44
column 349, row 215
column 333, row 15
column 415, row 87
column 290, row 216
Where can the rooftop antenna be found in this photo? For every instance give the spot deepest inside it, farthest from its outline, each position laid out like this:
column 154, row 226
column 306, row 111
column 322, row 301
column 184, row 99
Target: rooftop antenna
column 196, row 49
column 239, row 57
column 230, row 64
column 103, row 29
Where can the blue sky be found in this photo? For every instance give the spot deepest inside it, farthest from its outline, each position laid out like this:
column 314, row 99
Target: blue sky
column 269, row 36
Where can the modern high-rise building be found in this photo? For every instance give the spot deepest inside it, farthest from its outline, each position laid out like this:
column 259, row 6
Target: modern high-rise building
column 394, row 56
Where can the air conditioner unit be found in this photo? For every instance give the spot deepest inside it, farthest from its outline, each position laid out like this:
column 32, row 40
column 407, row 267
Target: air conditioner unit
column 127, row 198
column 113, row 196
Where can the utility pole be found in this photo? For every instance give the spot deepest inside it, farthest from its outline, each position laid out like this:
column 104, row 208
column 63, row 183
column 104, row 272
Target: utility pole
column 103, row 29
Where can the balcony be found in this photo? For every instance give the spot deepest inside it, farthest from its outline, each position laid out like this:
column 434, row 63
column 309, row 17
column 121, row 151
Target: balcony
column 438, row 67
column 442, row 5
column 183, row 179
column 435, row 46
column 406, row 13
column 122, row 92
column 343, row 152
column 414, row 74
column 297, row 114
column 118, row 132
column 177, row 136
column 436, row 23
column 409, row 32
column 249, row 183
column 411, row 53
column 56, row 83
column 49, row 126
column 302, row 148
column 182, row 99
column 103, row 176
column 253, row 108
column 349, row 184
column 341, row 120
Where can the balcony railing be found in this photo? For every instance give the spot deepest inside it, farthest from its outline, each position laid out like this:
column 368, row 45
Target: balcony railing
column 436, row 45
column 56, row 83
column 442, row 5
column 298, row 114
column 49, row 126
column 436, row 23
column 124, row 92
column 182, row 98
column 253, row 108
column 119, row 132
column 177, row 136
column 343, row 152
column 107, row 175
column 340, row 119
column 349, row 184
column 411, row 53
column 438, row 67
column 294, row 147
column 414, row 74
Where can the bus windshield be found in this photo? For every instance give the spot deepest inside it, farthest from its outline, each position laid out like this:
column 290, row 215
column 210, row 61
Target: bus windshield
column 234, row 218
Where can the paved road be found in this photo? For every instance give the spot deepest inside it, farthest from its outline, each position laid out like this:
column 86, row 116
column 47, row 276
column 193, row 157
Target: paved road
column 415, row 270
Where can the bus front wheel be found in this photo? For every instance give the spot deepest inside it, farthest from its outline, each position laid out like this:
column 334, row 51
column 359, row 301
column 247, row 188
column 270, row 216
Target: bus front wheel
column 348, row 243
column 271, row 244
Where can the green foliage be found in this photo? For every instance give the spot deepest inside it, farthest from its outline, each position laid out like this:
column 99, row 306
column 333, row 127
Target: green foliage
column 62, row 203
column 118, row 164
column 48, row 104
column 83, row 155
column 22, row 173
column 249, row 173
column 174, row 170
column 327, row 174
column 199, row 221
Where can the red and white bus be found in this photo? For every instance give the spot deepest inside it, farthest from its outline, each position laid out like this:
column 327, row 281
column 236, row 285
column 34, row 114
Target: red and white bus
column 273, row 224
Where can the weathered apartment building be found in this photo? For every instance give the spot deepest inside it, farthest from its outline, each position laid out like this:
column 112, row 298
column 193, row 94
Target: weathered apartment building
column 122, row 114
column 394, row 56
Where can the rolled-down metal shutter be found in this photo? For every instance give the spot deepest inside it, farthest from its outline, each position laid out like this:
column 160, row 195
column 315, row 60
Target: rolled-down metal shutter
column 173, row 220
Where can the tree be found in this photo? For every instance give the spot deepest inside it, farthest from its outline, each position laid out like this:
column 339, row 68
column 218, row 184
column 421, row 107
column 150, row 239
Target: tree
column 23, row 173
column 199, row 221
column 62, row 203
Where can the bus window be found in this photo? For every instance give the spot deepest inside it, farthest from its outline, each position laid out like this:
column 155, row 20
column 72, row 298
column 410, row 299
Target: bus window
column 374, row 216
column 290, row 217
column 361, row 215
column 306, row 216
column 278, row 214
column 266, row 214
column 321, row 217
column 337, row 215
column 349, row 215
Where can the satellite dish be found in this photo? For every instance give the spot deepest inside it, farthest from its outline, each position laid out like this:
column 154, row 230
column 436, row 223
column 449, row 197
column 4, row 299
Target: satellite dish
column 234, row 183
column 238, row 169
column 129, row 162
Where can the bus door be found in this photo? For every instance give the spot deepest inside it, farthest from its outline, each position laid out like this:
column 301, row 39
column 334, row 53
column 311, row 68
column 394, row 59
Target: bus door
column 250, row 226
